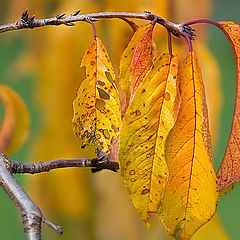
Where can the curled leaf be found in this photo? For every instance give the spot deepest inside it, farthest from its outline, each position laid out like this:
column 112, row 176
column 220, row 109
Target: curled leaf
column 145, row 127
column 190, row 196
column 136, row 60
column 96, row 108
column 15, row 126
column 229, row 171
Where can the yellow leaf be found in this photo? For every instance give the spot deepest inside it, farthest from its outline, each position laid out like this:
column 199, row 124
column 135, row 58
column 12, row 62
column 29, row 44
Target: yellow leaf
column 145, row 127
column 136, row 61
column 97, row 107
column 190, row 196
column 15, row 127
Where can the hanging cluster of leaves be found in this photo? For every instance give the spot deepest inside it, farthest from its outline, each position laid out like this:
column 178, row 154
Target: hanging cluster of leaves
column 154, row 121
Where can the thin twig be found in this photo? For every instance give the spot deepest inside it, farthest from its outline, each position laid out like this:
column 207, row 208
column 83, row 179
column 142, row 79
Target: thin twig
column 58, row 229
column 30, row 22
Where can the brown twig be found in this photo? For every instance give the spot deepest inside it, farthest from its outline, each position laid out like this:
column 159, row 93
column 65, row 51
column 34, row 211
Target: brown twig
column 33, row 168
column 30, row 22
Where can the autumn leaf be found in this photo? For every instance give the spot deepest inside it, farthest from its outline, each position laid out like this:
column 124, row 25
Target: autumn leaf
column 97, row 116
column 136, row 61
column 190, row 196
column 145, row 127
column 15, row 126
column 229, row 171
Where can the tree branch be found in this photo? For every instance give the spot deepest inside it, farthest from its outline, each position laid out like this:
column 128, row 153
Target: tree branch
column 31, row 214
column 30, row 22
column 96, row 163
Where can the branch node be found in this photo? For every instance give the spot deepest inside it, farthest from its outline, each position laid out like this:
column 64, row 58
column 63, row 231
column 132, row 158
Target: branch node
column 189, row 31
column 154, row 18
column 103, row 163
column 26, row 20
column 25, row 16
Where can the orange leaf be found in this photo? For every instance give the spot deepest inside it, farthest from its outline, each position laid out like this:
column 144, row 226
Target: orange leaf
column 97, row 107
column 145, row 127
column 190, row 196
column 15, row 127
column 229, row 171
column 136, row 61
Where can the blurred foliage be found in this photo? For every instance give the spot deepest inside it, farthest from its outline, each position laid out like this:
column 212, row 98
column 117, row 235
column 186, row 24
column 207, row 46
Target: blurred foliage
column 42, row 65
column 15, row 124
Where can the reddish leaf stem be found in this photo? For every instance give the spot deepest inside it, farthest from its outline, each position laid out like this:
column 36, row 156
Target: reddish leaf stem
column 188, row 40
column 169, row 43
column 155, row 19
column 201, row 21
column 89, row 20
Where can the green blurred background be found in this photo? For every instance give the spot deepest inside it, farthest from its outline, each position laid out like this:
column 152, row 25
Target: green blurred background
column 15, row 44
column 228, row 207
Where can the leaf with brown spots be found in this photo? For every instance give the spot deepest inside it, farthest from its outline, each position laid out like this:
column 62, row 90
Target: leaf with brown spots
column 145, row 127
column 15, row 126
column 229, row 171
column 190, row 195
column 136, row 60
column 96, row 118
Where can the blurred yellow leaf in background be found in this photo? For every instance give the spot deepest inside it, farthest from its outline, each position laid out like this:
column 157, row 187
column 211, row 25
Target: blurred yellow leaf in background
column 14, row 128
